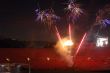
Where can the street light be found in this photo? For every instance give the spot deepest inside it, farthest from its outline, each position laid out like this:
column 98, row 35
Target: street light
column 8, row 60
column 28, row 59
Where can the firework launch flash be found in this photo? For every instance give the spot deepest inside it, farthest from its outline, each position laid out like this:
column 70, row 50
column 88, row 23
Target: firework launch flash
column 64, row 47
column 65, row 50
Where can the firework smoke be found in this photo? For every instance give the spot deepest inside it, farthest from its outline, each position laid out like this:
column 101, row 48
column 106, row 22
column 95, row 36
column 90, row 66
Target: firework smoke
column 65, row 52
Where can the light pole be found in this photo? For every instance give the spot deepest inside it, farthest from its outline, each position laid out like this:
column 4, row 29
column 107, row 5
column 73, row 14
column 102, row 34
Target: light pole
column 8, row 65
column 29, row 66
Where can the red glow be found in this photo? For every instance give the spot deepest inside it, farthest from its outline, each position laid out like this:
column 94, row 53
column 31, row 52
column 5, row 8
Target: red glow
column 38, row 58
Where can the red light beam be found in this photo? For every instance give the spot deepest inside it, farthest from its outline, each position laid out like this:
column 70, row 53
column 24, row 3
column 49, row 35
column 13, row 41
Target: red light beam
column 70, row 32
column 80, row 45
column 59, row 37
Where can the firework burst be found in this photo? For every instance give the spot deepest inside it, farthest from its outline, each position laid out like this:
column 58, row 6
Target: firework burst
column 73, row 10
column 40, row 15
column 47, row 16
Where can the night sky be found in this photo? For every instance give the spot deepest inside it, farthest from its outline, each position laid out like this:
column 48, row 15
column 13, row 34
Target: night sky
column 17, row 17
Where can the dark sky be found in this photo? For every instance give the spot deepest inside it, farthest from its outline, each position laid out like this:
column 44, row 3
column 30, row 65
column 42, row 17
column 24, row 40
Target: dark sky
column 17, row 17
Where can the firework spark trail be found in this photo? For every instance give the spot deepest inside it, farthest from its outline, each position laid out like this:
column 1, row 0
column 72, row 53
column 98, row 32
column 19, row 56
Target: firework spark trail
column 59, row 37
column 70, row 36
column 80, row 45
